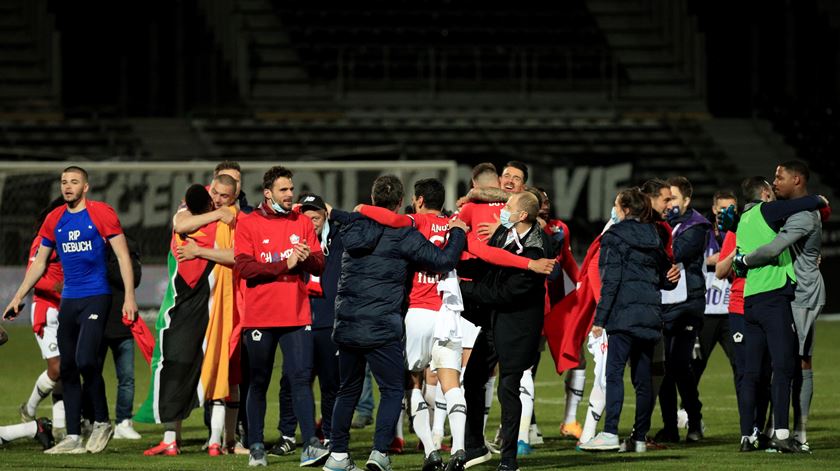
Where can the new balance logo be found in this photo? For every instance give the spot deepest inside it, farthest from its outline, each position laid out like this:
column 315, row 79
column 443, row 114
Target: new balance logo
column 93, row 317
column 458, row 408
column 265, row 241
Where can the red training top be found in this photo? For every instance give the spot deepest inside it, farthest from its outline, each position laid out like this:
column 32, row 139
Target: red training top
column 45, row 288
column 736, row 292
column 275, row 296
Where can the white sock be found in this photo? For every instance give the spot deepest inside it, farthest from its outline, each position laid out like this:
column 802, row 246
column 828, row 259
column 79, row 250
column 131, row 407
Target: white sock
column 489, row 392
column 440, row 412
column 43, row 387
column 231, row 414
column 170, row 432
column 399, row 431
column 420, row 420
column 339, row 456
column 457, row 406
column 59, row 419
column 13, row 432
column 575, row 380
column 782, row 433
column 597, row 402
column 526, row 397
column 217, row 422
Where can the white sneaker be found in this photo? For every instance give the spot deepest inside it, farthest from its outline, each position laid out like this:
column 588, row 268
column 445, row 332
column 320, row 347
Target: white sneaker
column 68, row 446
column 99, row 436
column 125, row 430
column 602, row 442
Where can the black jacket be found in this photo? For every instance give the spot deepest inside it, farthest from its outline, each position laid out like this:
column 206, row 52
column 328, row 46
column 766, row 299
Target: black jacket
column 632, row 266
column 515, row 300
column 370, row 301
column 323, row 307
column 114, row 328
column 690, row 250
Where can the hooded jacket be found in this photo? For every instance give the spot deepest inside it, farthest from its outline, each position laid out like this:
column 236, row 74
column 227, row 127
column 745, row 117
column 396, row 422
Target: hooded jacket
column 370, row 301
column 633, row 267
column 691, row 234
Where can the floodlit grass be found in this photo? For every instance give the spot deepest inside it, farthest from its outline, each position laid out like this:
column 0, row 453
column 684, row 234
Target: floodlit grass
column 20, row 364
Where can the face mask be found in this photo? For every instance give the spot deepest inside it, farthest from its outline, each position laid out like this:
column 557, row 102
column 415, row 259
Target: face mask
column 614, row 216
column 672, row 213
column 277, row 208
column 504, row 219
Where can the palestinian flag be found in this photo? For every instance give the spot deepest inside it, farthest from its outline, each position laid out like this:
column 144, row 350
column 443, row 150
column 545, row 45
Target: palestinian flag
column 192, row 343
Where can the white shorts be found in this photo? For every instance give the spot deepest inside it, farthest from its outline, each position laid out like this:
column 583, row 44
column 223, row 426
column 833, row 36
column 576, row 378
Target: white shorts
column 419, row 332
column 469, row 332
column 421, row 351
column 49, row 342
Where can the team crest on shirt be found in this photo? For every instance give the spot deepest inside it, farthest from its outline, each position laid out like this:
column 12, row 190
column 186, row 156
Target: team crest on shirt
column 256, row 335
column 294, row 239
column 738, row 337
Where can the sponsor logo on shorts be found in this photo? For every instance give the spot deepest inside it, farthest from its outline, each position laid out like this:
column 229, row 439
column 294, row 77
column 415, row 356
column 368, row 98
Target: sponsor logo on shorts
column 256, row 335
column 53, row 347
column 93, row 317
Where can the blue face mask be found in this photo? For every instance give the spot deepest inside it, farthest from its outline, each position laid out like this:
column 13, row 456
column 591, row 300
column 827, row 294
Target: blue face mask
column 614, row 216
column 672, row 213
column 277, row 208
column 504, row 219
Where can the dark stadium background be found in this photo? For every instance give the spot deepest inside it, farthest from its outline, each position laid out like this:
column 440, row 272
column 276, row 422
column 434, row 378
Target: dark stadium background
column 593, row 94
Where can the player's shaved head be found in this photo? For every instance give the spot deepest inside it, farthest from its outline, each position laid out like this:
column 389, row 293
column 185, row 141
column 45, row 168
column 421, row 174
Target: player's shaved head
column 484, row 175
column 225, row 179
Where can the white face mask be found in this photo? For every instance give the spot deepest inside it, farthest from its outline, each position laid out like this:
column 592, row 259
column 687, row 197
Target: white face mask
column 614, row 216
column 276, row 207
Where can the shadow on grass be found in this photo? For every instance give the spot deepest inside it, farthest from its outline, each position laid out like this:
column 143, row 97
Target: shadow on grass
column 593, row 459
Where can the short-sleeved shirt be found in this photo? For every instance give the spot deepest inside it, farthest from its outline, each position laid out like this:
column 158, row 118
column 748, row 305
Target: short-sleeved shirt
column 80, row 244
column 736, row 292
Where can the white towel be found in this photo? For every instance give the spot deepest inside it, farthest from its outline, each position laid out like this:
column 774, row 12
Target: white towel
column 447, row 324
column 598, row 348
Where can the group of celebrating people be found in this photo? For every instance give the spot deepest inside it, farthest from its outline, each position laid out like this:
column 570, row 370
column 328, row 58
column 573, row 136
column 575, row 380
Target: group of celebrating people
column 437, row 307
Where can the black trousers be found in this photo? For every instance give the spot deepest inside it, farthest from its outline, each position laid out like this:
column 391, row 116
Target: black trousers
column 769, row 331
column 762, row 392
column 623, row 347
column 715, row 331
column 679, row 337
column 482, row 361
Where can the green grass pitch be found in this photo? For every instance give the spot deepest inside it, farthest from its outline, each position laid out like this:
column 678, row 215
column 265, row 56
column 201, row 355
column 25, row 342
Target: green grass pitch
column 20, row 363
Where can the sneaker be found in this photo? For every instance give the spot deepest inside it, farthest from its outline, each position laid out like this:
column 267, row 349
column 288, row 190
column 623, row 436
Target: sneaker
column 457, row 462
column 535, row 437
column 286, row 446
column 507, row 467
column 361, row 421
column 762, row 442
column 235, row 448
column 433, row 462
column 788, row 445
column 314, row 454
column 475, row 456
column 378, row 461
column 571, row 430
column 804, row 447
column 24, row 414
column 397, row 446
column 215, row 449
column 522, row 448
column 346, row 464
column 694, row 436
column 257, row 455
column 748, row 445
column 682, row 419
column 68, row 446
column 125, row 430
column 44, row 434
column 99, row 437
column 602, row 442
column 651, row 444
column 163, row 448
column 667, row 436
column 492, row 447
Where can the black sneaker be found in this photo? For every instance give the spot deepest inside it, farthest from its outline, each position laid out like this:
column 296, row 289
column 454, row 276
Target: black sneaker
column 457, row 462
column 286, row 446
column 474, row 456
column 44, row 434
column 763, row 442
column 433, row 462
column 694, row 436
column 667, row 436
column 507, row 467
column 747, row 445
column 788, row 445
